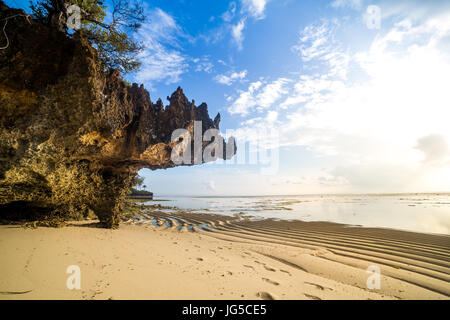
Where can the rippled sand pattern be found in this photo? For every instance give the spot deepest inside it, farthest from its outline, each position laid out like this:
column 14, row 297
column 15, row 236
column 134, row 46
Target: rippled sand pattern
column 414, row 259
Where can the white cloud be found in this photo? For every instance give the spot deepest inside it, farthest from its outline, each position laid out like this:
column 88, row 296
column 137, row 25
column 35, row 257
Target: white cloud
column 270, row 93
column 353, row 4
column 250, row 8
column 271, row 116
column 377, row 121
column 259, row 95
column 317, row 42
column 161, row 65
column 413, row 9
column 435, row 149
column 255, row 8
column 228, row 80
column 162, row 59
column 228, row 15
column 245, row 101
column 237, row 33
column 203, row 64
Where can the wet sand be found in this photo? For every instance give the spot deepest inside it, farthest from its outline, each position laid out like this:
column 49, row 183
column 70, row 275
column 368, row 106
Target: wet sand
column 156, row 255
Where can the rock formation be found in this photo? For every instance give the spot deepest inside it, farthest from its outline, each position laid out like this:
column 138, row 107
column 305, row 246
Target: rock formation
column 71, row 137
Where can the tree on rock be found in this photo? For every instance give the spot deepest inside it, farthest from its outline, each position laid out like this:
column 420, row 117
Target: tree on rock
column 112, row 35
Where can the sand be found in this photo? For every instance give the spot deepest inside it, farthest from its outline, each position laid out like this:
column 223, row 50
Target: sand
column 192, row 256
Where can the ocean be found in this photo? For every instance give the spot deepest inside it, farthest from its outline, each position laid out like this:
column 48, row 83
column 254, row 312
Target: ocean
column 426, row 213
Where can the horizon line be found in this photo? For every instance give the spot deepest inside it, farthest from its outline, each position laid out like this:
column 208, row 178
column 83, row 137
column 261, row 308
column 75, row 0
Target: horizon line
column 309, row 194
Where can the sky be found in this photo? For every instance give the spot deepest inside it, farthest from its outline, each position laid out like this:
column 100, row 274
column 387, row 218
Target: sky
column 336, row 96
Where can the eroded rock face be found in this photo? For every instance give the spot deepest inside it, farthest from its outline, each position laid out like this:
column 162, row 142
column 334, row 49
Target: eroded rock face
column 72, row 138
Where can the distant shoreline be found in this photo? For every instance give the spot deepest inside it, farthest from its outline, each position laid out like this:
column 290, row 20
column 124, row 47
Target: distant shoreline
column 308, row 195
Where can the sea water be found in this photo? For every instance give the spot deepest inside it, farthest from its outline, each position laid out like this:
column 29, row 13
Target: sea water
column 428, row 213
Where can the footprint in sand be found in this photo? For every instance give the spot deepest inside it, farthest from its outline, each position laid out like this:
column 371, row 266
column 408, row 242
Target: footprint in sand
column 321, row 252
column 312, row 297
column 271, row 281
column 265, row 295
column 269, row 268
column 318, row 286
column 285, row 272
column 266, row 266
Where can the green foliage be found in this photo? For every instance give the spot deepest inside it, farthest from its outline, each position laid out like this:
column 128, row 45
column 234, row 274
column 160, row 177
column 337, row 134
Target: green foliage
column 137, row 180
column 112, row 35
column 140, row 192
column 40, row 11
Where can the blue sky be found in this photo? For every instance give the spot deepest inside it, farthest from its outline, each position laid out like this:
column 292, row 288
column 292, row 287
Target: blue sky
column 346, row 102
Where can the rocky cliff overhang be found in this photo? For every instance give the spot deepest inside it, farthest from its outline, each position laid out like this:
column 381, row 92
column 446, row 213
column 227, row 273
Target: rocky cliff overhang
column 72, row 138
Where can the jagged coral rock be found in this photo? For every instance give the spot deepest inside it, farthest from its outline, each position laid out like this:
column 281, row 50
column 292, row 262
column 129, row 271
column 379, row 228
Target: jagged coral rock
column 71, row 137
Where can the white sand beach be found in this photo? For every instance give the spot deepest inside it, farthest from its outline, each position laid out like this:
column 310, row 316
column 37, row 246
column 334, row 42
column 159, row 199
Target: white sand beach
column 221, row 258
